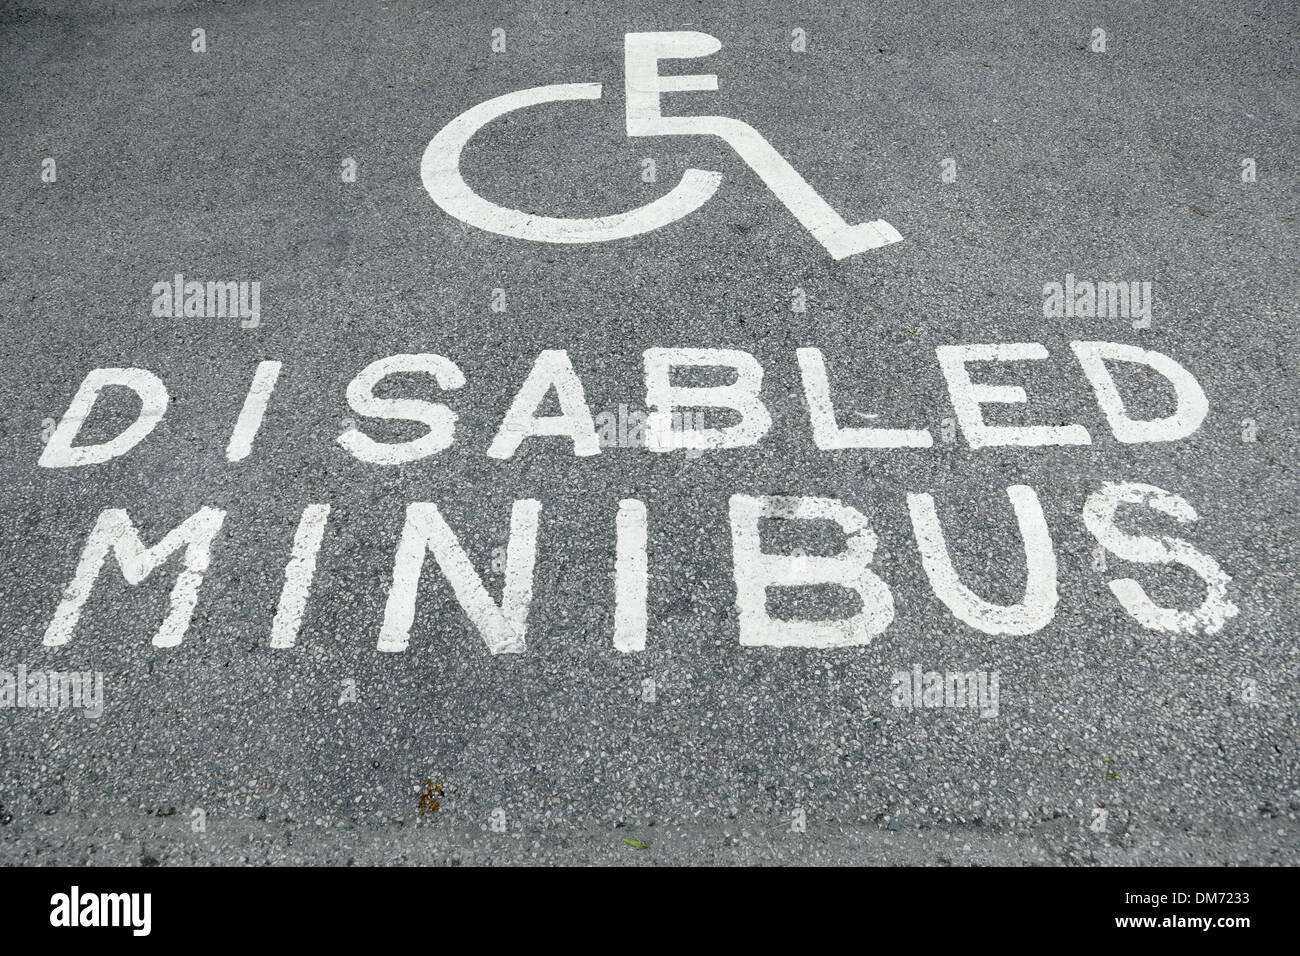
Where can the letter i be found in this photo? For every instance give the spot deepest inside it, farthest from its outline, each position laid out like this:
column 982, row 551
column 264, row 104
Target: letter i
column 298, row 575
column 250, row 416
column 630, row 579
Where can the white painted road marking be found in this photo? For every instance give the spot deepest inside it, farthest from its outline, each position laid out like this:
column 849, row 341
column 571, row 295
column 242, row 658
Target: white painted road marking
column 440, row 172
column 250, row 416
column 298, row 575
column 503, row 627
column 441, row 175
column 630, row 577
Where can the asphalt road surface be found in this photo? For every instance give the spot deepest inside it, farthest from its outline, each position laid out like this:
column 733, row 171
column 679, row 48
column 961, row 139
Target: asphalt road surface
column 1007, row 143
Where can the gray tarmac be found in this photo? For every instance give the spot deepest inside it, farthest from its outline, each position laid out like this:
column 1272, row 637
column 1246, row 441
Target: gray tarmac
column 226, row 165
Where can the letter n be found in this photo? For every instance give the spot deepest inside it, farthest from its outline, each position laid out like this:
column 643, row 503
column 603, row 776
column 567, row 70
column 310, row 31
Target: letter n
column 503, row 626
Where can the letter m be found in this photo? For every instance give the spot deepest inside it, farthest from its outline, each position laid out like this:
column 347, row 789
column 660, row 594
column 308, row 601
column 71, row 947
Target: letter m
column 116, row 909
column 1115, row 295
column 960, row 689
column 223, row 299
column 114, row 532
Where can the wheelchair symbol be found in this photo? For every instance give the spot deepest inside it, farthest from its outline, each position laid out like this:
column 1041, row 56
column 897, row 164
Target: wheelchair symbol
column 440, row 166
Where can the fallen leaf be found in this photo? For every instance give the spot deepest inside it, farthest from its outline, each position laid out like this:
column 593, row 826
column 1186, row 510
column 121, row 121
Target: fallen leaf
column 428, row 803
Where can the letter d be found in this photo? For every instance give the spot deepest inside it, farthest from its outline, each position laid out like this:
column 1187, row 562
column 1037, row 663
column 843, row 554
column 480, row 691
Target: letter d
column 59, row 452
